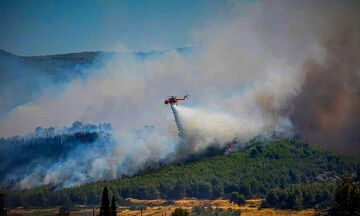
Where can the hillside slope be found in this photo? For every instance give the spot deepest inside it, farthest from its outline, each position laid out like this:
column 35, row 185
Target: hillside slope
column 34, row 75
column 253, row 171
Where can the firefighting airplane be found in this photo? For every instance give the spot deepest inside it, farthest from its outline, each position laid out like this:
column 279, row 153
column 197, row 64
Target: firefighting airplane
column 173, row 99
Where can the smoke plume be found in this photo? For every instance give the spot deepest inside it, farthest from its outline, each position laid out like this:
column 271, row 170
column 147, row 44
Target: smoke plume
column 289, row 68
column 327, row 110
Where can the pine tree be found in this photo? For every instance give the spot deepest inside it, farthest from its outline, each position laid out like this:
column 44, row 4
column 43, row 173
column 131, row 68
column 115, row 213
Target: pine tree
column 105, row 203
column 358, row 173
column 347, row 198
column 113, row 206
column 238, row 199
column 180, row 212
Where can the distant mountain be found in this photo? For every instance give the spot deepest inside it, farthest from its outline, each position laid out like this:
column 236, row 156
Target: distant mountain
column 32, row 75
column 50, row 64
column 70, row 60
column 266, row 164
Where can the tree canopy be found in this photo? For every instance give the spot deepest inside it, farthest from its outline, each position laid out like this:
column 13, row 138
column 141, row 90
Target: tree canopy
column 105, row 203
column 286, row 172
column 180, row 212
column 237, row 199
column 347, row 198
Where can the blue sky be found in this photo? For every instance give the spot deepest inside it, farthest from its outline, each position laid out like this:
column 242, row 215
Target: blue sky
column 41, row 27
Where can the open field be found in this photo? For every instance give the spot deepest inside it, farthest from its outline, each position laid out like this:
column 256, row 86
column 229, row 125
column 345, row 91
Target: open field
column 157, row 208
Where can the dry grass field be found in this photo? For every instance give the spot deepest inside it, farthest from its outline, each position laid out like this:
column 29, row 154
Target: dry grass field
column 250, row 209
column 156, row 208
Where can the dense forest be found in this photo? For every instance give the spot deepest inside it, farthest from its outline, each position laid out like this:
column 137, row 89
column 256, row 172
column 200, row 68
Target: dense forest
column 37, row 152
column 287, row 172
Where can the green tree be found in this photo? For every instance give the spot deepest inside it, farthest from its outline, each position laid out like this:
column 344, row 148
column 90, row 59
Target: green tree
column 92, row 198
column 217, row 191
column 238, row 199
column 68, row 205
column 180, row 212
column 204, row 190
column 272, row 198
column 62, row 212
column 295, row 199
column 347, row 198
column 178, row 191
column 294, row 178
column 105, row 203
column 113, row 206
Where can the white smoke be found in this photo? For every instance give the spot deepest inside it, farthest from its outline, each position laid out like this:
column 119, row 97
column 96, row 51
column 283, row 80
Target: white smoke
column 204, row 127
column 240, row 79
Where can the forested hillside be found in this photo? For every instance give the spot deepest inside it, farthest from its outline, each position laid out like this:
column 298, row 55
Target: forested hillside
column 281, row 164
column 30, row 160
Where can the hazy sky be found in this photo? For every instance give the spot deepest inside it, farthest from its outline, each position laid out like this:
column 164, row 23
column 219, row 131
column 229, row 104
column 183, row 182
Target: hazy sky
column 48, row 27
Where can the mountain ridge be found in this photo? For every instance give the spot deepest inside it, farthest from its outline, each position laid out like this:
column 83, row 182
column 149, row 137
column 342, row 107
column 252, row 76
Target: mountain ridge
column 85, row 53
column 33, row 74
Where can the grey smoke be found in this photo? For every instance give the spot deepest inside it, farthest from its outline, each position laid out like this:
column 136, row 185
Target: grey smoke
column 29, row 161
column 247, row 78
